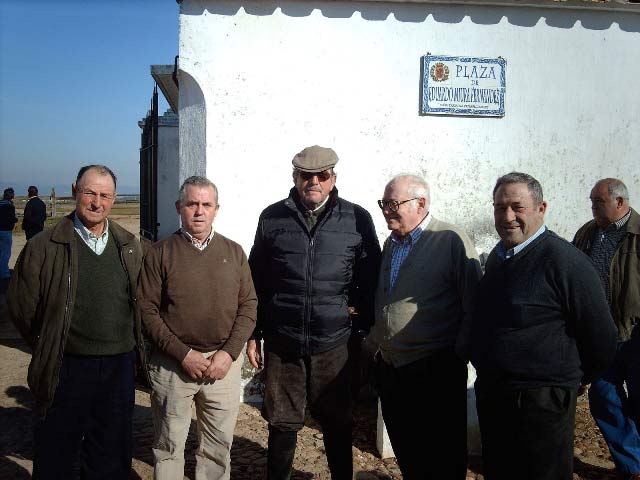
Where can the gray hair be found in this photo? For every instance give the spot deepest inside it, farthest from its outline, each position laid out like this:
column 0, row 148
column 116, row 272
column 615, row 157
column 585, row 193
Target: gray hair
column 197, row 181
column 615, row 187
column 418, row 186
column 533, row 185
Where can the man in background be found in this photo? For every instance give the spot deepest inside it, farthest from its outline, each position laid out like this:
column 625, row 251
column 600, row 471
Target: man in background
column 35, row 213
column 7, row 221
column 612, row 240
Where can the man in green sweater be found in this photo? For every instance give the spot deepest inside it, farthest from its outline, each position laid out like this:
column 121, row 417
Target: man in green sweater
column 72, row 297
column 424, row 299
column 198, row 306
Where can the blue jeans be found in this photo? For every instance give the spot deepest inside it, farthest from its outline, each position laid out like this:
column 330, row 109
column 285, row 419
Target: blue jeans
column 617, row 411
column 5, row 252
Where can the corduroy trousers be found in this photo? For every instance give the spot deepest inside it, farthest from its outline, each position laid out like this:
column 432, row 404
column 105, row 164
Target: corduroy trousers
column 322, row 381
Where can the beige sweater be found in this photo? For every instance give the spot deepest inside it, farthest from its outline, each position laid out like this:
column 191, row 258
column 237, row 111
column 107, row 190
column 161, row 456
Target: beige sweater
column 202, row 300
column 430, row 304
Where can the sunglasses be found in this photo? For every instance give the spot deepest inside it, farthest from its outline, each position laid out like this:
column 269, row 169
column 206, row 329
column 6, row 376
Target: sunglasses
column 322, row 176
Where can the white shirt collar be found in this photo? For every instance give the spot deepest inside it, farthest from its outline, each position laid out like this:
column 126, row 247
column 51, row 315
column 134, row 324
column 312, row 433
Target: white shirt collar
column 505, row 254
column 95, row 243
column 195, row 242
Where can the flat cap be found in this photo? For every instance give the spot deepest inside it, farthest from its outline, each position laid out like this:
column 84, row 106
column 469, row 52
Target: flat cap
column 315, row 159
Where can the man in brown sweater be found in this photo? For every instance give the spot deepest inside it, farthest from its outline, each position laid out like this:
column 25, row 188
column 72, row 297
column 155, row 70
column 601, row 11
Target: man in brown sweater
column 198, row 306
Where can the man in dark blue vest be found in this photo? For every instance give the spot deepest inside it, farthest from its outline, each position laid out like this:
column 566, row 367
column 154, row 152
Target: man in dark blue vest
column 315, row 255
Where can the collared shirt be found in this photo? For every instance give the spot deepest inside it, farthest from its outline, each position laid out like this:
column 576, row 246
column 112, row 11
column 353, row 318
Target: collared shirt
column 195, row 242
column 97, row 244
column 604, row 246
column 504, row 254
column 401, row 246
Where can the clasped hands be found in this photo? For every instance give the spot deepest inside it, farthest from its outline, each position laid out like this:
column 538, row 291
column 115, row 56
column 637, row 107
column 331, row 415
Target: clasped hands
column 199, row 367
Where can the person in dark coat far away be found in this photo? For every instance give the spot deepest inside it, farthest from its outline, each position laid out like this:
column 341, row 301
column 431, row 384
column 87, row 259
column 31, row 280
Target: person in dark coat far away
column 35, row 213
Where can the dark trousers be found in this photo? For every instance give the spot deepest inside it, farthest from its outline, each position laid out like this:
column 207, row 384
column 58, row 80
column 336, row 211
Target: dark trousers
column 321, row 380
column 87, row 432
column 424, row 405
column 527, row 434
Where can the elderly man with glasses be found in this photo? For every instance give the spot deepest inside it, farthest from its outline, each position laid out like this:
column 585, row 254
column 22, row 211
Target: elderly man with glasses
column 423, row 303
column 314, row 263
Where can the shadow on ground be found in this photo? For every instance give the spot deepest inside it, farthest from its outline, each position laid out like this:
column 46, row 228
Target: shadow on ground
column 16, row 442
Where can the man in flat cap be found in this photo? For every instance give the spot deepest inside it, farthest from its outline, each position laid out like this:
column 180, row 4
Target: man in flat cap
column 314, row 263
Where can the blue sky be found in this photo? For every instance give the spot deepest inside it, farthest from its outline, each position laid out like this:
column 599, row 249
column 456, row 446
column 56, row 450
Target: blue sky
column 74, row 82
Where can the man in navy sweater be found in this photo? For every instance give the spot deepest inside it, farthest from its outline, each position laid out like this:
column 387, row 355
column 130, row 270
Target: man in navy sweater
column 541, row 328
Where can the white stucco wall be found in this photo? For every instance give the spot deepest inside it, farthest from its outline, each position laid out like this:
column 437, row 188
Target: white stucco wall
column 260, row 80
column 278, row 76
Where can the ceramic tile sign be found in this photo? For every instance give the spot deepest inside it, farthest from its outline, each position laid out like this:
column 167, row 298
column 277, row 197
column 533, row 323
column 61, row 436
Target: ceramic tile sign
column 462, row 86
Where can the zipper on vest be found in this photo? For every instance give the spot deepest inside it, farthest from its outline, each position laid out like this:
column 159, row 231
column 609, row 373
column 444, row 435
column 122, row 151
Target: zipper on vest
column 307, row 300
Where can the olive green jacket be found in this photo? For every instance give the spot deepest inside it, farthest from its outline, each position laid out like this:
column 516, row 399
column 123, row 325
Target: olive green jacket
column 624, row 274
column 41, row 296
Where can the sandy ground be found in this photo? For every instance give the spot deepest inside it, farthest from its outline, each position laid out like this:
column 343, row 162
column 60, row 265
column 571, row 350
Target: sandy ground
column 592, row 460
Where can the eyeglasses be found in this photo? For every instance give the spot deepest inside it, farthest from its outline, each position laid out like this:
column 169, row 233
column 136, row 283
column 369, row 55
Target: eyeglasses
column 393, row 205
column 322, row 176
column 91, row 194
